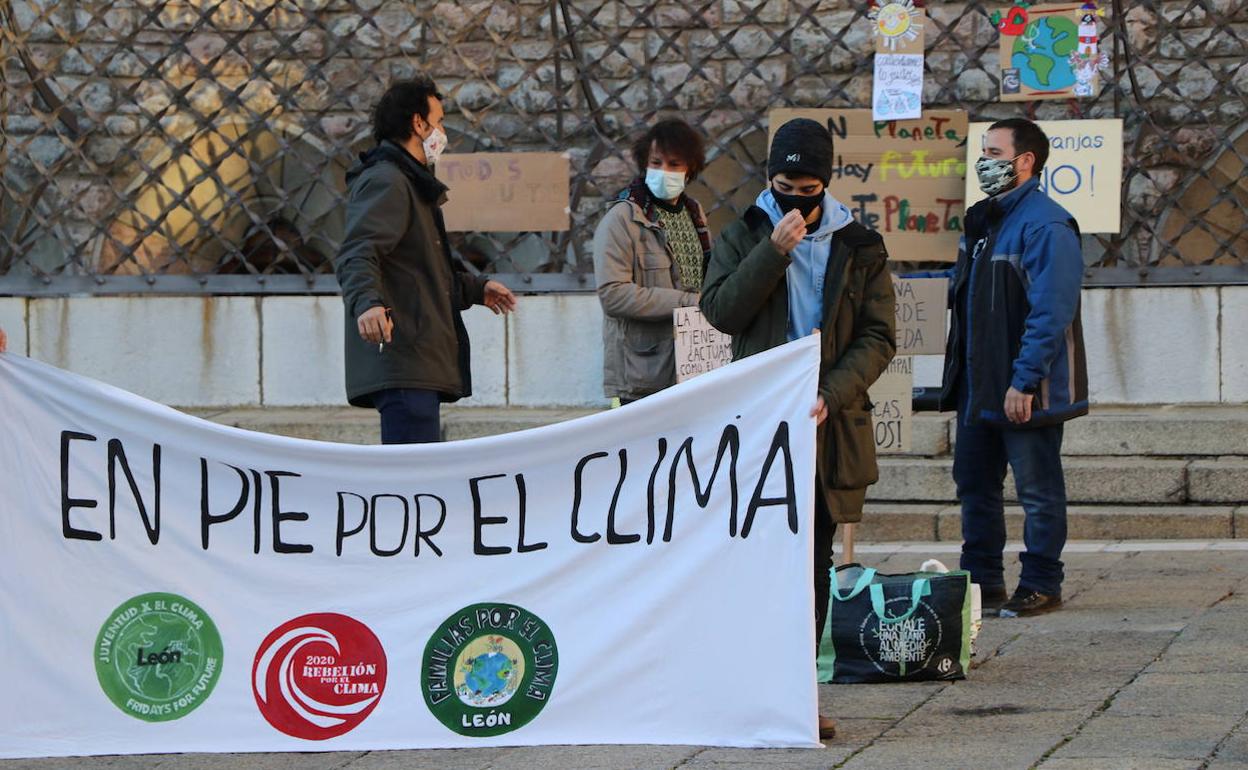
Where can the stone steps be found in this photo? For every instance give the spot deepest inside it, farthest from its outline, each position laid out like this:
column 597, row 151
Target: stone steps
column 893, row 522
column 1164, row 431
column 1141, row 480
column 1148, row 470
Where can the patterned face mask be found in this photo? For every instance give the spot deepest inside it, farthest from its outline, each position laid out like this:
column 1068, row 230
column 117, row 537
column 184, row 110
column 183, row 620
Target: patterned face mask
column 996, row 175
column 433, row 145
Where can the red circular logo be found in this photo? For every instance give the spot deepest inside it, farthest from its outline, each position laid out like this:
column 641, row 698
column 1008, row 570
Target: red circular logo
column 318, row 676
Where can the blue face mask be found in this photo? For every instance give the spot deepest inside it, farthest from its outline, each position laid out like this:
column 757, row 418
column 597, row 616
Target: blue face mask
column 665, row 185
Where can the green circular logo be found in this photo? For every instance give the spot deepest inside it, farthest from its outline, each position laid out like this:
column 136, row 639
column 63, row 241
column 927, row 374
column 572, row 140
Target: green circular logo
column 489, row 669
column 158, row 657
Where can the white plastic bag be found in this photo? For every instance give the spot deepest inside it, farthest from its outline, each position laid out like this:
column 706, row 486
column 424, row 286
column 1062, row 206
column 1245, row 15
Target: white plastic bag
column 977, row 599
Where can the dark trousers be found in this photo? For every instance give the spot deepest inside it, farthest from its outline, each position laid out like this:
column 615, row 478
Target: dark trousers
column 980, row 458
column 825, row 530
column 409, row 415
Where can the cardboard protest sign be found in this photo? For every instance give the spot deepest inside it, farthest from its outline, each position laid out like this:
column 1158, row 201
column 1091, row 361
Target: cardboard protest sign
column 171, row 585
column 505, row 191
column 893, row 414
column 897, row 88
column 700, row 347
column 1049, row 51
column 1083, row 172
column 922, row 305
column 903, row 178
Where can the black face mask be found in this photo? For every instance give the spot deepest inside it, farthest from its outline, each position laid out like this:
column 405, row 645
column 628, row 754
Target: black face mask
column 803, row 203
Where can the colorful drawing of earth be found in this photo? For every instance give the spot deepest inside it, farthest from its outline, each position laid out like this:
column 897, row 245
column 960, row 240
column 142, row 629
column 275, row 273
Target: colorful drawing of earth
column 489, row 671
column 1042, row 53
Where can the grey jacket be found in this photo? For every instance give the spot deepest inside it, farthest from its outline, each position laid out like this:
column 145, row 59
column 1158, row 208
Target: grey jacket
column 639, row 286
column 395, row 255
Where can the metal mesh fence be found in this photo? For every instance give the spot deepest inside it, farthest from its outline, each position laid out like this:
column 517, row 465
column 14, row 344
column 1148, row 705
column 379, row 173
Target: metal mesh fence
column 201, row 145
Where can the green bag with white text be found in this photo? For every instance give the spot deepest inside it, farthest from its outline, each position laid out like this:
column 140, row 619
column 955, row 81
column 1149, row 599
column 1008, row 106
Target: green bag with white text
column 896, row 628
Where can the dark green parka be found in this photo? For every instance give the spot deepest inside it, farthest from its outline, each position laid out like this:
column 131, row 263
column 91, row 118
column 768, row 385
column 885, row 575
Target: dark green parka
column 395, row 255
column 745, row 294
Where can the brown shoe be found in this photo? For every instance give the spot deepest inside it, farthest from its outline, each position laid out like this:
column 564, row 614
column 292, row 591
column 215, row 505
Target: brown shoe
column 827, row 728
column 1025, row 603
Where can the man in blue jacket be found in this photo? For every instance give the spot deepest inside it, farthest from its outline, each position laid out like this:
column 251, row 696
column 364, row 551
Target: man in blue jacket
column 1014, row 367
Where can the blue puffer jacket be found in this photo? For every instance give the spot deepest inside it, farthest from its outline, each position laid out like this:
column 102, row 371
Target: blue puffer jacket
column 1016, row 321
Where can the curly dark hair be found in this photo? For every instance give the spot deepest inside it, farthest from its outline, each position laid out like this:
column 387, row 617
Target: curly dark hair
column 673, row 137
column 392, row 117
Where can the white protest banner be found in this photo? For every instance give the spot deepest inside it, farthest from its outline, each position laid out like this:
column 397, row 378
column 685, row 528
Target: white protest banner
column 505, row 191
column 922, row 305
column 1083, row 172
column 892, row 395
column 700, row 347
column 173, row 585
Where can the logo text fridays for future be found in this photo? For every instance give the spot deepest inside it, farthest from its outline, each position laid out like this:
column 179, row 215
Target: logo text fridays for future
column 158, row 656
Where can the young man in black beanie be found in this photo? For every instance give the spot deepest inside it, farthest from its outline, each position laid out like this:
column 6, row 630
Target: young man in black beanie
column 797, row 263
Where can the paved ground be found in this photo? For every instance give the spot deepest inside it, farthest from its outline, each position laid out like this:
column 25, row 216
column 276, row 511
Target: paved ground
column 1145, row 667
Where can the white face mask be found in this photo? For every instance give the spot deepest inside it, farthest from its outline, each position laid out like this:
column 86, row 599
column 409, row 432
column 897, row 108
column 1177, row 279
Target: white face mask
column 434, row 145
column 665, row 185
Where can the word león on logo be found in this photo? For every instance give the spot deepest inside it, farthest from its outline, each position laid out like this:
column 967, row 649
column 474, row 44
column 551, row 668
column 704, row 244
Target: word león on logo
column 489, row 669
column 158, row 656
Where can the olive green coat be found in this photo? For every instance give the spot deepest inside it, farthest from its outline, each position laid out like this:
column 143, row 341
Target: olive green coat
column 745, row 294
column 395, row 255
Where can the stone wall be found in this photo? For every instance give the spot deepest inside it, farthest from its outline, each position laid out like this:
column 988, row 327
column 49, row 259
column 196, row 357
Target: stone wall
column 186, row 136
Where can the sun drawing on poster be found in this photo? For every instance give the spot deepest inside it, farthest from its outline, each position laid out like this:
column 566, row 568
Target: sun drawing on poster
column 896, row 23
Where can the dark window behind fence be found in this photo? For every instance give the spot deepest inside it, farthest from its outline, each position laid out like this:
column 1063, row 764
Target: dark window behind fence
column 201, row 145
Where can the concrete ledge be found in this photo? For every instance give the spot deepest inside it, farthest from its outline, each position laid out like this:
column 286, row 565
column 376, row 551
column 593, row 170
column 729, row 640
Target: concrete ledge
column 301, row 336
column 554, row 351
column 180, row 351
column 487, row 336
column 1152, row 345
column 1219, row 481
column 13, row 321
column 1086, row 522
column 1234, row 351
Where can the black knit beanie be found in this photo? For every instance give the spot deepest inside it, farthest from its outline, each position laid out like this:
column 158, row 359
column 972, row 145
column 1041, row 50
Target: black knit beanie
column 801, row 146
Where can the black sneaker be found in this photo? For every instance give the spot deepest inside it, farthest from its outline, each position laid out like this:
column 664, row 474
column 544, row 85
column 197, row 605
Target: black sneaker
column 991, row 598
column 1026, row 602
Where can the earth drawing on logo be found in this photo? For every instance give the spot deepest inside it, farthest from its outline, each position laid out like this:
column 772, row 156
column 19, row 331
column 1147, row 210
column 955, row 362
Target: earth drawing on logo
column 158, row 656
column 489, row 671
column 1042, row 53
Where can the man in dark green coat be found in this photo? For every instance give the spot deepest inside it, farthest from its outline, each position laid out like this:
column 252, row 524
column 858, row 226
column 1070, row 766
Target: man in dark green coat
column 406, row 345
column 797, row 262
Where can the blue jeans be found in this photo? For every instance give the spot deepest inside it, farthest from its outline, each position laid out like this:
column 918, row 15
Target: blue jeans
column 409, row 415
column 979, row 462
